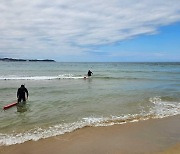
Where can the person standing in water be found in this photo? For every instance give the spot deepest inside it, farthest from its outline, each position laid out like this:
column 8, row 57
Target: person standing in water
column 21, row 94
column 89, row 73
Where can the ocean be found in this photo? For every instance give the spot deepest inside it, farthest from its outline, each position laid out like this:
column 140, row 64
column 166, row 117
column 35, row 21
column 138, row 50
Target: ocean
column 61, row 100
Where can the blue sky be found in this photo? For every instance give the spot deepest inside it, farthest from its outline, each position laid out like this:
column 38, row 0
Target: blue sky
column 103, row 30
column 163, row 46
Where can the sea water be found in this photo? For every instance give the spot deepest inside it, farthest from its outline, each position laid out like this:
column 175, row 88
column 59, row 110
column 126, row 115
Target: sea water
column 61, row 100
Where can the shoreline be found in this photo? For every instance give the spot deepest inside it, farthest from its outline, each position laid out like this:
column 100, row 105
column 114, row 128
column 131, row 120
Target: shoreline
column 149, row 136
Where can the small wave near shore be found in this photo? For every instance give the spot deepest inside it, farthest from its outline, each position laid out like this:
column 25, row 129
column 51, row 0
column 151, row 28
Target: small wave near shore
column 160, row 109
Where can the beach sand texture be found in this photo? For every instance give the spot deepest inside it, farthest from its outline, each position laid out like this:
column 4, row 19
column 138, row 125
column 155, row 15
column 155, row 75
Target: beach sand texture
column 150, row 136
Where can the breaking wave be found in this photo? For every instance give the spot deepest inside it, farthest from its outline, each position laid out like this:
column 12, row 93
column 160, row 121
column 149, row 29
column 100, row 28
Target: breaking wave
column 71, row 76
column 64, row 76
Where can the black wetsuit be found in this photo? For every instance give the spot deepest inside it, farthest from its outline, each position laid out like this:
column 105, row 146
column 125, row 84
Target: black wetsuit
column 89, row 73
column 21, row 94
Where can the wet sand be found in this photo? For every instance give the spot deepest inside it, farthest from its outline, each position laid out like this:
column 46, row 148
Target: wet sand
column 150, row 136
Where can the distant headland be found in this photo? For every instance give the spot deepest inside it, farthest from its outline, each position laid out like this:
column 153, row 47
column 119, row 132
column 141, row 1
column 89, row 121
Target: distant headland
column 24, row 60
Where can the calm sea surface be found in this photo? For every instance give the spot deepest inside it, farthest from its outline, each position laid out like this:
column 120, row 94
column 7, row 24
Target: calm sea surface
column 61, row 100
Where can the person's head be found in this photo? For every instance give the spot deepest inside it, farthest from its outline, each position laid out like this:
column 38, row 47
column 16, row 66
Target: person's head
column 22, row 86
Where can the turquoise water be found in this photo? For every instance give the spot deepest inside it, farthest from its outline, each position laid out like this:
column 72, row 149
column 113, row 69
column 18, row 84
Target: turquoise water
column 61, row 100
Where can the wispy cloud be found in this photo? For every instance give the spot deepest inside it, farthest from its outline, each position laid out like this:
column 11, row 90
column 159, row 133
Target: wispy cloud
column 67, row 27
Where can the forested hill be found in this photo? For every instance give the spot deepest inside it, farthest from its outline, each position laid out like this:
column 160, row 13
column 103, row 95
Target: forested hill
column 31, row 60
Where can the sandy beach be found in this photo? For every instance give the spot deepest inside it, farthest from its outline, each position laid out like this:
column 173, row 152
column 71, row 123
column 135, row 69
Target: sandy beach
column 150, row 136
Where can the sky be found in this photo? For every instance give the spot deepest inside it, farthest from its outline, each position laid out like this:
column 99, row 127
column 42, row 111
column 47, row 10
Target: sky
column 91, row 30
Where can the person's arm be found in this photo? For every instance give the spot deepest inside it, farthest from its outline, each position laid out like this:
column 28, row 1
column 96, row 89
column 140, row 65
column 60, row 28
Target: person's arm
column 18, row 93
column 27, row 93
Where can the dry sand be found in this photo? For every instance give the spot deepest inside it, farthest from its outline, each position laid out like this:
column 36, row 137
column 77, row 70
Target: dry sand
column 150, row 136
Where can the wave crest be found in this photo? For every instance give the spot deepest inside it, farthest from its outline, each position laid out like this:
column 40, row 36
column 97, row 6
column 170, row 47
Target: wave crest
column 64, row 76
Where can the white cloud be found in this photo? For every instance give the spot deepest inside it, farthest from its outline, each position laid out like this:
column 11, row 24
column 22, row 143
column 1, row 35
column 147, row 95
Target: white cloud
column 74, row 26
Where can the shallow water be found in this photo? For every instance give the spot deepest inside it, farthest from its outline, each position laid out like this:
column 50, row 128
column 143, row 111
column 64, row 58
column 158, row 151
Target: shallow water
column 61, row 100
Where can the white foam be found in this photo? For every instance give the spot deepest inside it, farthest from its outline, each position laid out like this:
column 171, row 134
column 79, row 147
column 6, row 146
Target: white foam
column 164, row 108
column 38, row 133
column 65, row 76
column 69, row 76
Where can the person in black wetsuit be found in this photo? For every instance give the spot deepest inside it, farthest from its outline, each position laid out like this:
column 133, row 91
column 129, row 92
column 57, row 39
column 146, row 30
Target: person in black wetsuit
column 89, row 73
column 21, row 94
